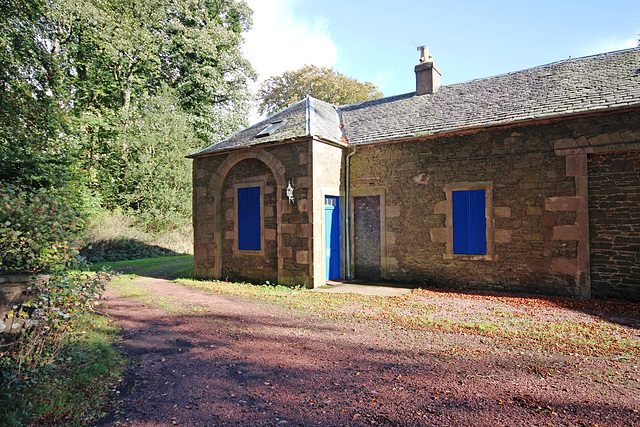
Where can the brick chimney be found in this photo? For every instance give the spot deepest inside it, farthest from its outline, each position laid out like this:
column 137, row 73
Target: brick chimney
column 427, row 73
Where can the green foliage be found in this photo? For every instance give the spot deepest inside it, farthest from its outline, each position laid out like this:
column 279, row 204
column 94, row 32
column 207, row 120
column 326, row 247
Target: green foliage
column 114, row 236
column 151, row 82
column 277, row 93
column 204, row 63
column 59, row 370
column 32, row 150
column 38, row 230
column 100, row 102
column 153, row 177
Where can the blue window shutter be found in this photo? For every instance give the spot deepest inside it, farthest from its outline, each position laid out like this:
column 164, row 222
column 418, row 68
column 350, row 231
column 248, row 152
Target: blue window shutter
column 460, row 200
column 249, row 218
column 478, row 223
column 469, row 223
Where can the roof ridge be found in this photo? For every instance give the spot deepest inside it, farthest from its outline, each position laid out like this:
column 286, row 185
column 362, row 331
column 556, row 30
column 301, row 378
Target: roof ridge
column 561, row 61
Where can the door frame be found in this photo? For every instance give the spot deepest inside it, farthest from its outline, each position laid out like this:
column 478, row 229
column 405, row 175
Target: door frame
column 329, row 237
column 368, row 191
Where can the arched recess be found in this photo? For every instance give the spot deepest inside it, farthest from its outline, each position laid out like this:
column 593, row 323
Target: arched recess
column 216, row 183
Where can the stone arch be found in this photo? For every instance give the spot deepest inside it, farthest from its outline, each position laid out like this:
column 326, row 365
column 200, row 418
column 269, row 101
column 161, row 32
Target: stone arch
column 277, row 169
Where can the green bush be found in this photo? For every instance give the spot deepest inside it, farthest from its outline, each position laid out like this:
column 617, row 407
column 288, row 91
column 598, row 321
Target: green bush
column 38, row 229
column 63, row 348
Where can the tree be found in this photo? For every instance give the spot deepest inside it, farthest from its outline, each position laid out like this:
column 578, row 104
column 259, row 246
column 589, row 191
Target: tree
column 126, row 60
column 277, row 93
column 40, row 185
column 116, row 53
column 158, row 179
column 31, row 120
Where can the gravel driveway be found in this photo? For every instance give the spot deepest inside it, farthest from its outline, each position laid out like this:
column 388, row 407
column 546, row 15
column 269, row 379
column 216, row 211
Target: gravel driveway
column 220, row 360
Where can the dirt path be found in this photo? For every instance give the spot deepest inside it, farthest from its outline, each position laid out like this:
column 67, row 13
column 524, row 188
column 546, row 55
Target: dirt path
column 217, row 360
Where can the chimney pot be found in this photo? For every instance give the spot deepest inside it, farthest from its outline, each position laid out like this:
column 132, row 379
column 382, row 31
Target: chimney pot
column 427, row 73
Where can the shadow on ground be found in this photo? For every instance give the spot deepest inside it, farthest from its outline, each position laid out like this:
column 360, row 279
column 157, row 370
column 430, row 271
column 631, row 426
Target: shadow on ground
column 234, row 361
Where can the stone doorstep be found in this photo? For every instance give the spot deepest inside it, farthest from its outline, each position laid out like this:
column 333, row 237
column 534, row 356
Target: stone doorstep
column 335, row 287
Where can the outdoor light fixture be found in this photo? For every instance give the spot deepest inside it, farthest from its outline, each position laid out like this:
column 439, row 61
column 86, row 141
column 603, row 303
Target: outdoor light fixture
column 290, row 193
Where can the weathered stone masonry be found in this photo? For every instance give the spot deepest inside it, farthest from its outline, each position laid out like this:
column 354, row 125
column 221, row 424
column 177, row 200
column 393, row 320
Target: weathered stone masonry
column 287, row 231
column 614, row 224
column 538, row 218
column 542, row 165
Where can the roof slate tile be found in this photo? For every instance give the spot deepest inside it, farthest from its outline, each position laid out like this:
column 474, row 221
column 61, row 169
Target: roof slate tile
column 593, row 83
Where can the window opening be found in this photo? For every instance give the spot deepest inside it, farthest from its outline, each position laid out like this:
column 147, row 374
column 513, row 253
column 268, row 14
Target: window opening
column 269, row 129
column 469, row 222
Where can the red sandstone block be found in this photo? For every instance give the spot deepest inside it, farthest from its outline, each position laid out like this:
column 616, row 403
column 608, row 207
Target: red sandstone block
column 616, row 137
column 439, row 235
column 270, row 234
column 577, row 165
column 563, row 144
column 442, row 208
column 302, row 257
column 286, row 252
column 502, row 212
column 288, row 228
column 566, row 266
column 567, row 232
column 572, row 203
column 392, row 211
column 502, row 236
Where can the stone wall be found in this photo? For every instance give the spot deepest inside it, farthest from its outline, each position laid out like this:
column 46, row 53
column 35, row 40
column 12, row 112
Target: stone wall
column 536, row 216
column 242, row 264
column 14, row 291
column 614, row 224
column 366, row 237
column 295, row 224
column 287, row 233
column 328, row 175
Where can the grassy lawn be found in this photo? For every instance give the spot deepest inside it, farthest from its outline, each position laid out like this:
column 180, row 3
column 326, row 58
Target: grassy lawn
column 68, row 388
column 563, row 325
column 166, row 267
column 516, row 323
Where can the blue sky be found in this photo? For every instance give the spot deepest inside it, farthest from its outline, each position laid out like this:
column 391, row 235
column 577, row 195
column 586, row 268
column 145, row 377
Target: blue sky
column 376, row 40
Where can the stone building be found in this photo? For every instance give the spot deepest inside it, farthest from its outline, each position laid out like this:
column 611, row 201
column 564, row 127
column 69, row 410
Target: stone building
column 525, row 182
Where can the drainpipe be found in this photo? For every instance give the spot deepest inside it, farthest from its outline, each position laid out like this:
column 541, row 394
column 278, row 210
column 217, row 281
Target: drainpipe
column 347, row 213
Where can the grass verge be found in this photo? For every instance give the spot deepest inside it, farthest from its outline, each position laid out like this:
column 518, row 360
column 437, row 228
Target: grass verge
column 71, row 388
column 595, row 337
column 514, row 320
column 171, row 267
column 126, row 288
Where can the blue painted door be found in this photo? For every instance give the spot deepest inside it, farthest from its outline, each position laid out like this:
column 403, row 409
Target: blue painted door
column 249, row 218
column 332, row 236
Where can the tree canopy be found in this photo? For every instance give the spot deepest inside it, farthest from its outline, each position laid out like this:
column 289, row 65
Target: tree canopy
column 130, row 63
column 99, row 103
column 31, row 119
column 326, row 84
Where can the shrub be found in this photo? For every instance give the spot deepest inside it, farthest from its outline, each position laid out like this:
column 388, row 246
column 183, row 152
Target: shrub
column 60, row 352
column 38, row 229
column 54, row 307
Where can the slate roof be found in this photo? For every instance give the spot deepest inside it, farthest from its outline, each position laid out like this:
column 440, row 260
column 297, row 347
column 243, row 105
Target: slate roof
column 307, row 118
column 567, row 87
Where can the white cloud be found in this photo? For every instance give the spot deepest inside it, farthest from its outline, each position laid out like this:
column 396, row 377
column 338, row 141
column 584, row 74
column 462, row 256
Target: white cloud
column 280, row 41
